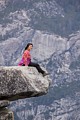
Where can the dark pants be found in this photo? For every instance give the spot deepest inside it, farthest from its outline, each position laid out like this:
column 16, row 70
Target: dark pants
column 32, row 64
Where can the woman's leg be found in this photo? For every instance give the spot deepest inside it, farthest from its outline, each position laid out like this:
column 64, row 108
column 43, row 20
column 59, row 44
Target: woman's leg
column 37, row 67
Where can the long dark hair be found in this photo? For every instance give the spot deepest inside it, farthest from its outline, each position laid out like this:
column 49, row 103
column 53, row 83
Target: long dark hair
column 28, row 45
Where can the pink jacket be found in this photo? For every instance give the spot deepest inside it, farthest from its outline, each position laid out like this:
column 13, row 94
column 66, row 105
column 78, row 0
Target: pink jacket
column 26, row 58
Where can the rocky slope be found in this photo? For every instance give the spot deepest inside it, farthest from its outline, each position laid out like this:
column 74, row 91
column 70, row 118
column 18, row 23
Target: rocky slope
column 53, row 26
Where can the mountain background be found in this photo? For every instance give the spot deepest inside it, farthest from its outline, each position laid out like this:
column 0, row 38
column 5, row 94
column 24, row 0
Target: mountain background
column 53, row 26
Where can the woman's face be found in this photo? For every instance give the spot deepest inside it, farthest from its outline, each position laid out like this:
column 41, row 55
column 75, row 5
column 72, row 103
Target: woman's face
column 30, row 47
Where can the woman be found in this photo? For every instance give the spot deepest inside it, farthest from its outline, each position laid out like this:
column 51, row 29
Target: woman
column 26, row 60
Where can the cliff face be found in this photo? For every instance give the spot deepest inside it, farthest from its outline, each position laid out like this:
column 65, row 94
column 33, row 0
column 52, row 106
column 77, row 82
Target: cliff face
column 5, row 114
column 17, row 83
column 47, row 24
column 53, row 26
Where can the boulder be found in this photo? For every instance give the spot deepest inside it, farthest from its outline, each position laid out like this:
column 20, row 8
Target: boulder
column 6, row 114
column 18, row 82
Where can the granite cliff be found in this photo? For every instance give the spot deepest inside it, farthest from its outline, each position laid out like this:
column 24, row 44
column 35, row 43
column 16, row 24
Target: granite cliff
column 53, row 26
column 19, row 83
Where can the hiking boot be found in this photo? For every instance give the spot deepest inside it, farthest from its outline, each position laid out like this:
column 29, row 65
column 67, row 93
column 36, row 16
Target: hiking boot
column 44, row 74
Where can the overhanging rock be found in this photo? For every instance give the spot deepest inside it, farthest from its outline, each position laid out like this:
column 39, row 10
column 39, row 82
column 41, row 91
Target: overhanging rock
column 18, row 82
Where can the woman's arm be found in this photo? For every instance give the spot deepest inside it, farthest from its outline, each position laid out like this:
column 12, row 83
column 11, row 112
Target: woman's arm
column 26, row 56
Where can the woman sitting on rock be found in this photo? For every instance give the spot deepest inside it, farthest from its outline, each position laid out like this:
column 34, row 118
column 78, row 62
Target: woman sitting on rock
column 26, row 60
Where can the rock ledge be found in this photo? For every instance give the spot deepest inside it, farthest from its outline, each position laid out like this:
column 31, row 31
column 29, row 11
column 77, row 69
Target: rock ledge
column 21, row 82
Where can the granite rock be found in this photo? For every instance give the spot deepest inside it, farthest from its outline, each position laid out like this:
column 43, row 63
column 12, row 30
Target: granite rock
column 6, row 114
column 4, row 103
column 22, row 82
